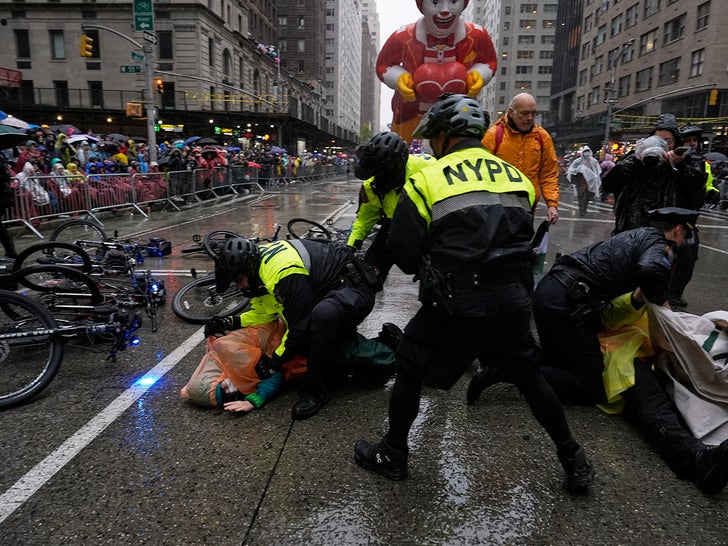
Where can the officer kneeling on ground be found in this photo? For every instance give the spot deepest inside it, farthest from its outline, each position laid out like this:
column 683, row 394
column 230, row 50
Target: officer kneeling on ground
column 320, row 290
column 463, row 225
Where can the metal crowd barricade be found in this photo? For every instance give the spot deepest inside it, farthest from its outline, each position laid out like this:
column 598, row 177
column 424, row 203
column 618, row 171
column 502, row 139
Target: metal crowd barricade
column 151, row 188
column 48, row 197
column 111, row 191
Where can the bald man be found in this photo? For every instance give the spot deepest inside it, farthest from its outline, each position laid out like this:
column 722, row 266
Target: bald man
column 519, row 140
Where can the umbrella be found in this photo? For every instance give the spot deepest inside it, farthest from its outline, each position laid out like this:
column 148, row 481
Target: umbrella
column 277, row 150
column 715, row 156
column 80, row 137
column 15, row 122
column 190, row 140
column 207, row 141
column 10, row 137
column 65, row 129
column 138, row 139
column 117, row 137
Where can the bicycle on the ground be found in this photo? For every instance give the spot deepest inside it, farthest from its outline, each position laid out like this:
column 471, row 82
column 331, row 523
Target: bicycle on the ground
column 33, row 340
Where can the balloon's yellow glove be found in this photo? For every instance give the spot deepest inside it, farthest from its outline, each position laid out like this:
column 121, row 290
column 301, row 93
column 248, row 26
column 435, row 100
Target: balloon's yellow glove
column 406, row 87
column 475, row 83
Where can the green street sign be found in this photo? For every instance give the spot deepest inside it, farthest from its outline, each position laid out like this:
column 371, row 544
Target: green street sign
column 143, row 15
column 137, row 57
column 130, row 68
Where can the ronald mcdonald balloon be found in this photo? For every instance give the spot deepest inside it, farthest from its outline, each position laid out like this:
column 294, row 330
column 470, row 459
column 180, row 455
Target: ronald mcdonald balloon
column 438, row 53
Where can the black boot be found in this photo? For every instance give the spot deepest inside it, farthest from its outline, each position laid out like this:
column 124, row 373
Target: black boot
column 382, row 459
column 711, row 468
column 579, row 471
column 390, row 335
column 482, row 379
column 310, row 402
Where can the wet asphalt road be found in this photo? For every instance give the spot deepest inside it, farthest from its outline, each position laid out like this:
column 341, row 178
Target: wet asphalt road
column 97, row 459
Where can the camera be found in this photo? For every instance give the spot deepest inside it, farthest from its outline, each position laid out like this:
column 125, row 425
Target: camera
column 650, row 151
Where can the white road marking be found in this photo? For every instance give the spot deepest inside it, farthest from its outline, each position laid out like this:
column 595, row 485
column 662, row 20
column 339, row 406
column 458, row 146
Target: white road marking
column 34, row 479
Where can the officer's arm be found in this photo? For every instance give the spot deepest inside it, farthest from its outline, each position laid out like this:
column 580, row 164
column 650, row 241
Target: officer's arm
column 297, row 293
column 407, row 235
column 367, row 216
column 653, row 272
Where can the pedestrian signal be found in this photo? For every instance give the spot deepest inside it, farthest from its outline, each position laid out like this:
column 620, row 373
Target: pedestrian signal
column 87, row 46
column 159, row 86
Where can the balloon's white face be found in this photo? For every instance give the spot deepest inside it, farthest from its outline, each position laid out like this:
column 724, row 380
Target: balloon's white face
column 441, row 15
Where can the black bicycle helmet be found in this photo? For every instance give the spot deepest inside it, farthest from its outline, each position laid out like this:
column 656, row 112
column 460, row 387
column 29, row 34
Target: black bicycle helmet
column 456, row 115
column 239, row 256
column 691, row 130
column 384, row 156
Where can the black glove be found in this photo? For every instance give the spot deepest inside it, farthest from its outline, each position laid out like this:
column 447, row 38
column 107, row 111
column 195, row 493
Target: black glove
column 267, row 366
column 350, row 250
column 220, row 325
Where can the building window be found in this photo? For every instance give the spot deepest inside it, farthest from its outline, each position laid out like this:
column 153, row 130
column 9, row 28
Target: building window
column 588, row 23
column 548, row 40
column 523, row 85
column 58, row 47
column 529, row 8
column 624, row 86
column 522, row 54
column 550, row 8
column 301, row 21
column 643, row 80
column 527, row 23
column 594, row 96
column 544, row 55
column 282, row 21
column 582, row 77
column 669, row 72
column 506, row 40
column 504, row 70
column 96, row 92
column 651, row 7
column 548, row 24
column 696, row 62
column 631, row 15
column 543, row 85
column 22, row 44
column 301, row 45
column 703, row 16
column 211, row 52
column 616, row 26
column 301, row 66
column 61, row 88
column 166, row 47
column 523, row 69
column 525, row 39
column 675, row 29
column 601, row 35
column 506, row 25
column 648, row 42
column 544, row 69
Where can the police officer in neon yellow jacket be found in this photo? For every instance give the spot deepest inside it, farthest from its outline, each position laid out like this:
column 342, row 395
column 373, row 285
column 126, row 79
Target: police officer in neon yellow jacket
column 384, row 164
column 317, row 287
column 463, row 225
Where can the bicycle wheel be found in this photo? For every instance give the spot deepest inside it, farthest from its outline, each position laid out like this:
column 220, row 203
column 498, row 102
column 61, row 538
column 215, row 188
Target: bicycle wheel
column 215, row 240
column 30, row 350
column 313, row 230
column 67, row 293
column 88, row 235
column 54, row 253
column 198, row 301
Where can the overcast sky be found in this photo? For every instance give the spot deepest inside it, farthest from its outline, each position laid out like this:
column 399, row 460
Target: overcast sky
column 392, row 15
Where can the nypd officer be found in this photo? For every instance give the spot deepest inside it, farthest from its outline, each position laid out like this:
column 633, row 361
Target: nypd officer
column 569, row 298
column 463, row 225
column 321, row 292
column 384, row 163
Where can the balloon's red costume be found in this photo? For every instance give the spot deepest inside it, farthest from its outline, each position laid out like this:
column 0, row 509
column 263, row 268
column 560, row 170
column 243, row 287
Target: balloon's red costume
column 439, row 52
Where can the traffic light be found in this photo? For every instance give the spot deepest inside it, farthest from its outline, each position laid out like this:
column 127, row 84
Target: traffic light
column 87, row 46
column 713, row 98
column 159, row 86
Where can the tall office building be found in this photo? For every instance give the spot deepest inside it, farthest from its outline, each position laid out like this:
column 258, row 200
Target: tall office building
column 523, row 34
column 370, row 84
